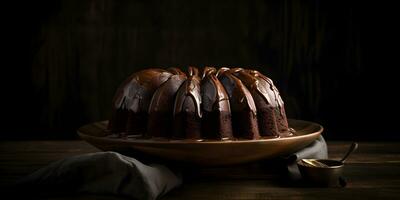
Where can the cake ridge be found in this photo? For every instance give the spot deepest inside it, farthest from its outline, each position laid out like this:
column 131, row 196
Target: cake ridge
column 224, row 103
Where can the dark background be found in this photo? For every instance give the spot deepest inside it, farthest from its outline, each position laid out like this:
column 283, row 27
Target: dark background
column 334, row 62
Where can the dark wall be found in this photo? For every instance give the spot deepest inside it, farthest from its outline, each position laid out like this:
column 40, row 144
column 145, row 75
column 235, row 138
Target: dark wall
column 329, row 59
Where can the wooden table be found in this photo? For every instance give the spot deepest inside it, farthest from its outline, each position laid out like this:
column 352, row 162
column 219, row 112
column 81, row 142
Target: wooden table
column 373, row 172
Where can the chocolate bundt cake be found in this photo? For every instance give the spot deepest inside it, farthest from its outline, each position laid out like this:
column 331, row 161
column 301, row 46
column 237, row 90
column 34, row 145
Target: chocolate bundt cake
column 213, row 104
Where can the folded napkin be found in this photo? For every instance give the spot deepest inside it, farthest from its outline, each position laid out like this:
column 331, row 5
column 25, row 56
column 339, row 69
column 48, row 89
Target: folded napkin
column 316, row 150
column 103, row 173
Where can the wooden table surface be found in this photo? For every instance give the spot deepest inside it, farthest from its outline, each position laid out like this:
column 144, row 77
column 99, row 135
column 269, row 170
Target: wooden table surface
column 373, row 172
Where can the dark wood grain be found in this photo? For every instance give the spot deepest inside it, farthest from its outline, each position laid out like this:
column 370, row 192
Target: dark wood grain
column 373, row 171
column 69, row 56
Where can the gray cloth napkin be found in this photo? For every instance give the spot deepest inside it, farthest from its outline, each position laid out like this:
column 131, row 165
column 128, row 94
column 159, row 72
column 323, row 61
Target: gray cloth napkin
column 316, row 150
column 103, row 173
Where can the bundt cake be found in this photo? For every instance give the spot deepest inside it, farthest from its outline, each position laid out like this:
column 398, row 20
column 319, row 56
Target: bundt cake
column 223, row 104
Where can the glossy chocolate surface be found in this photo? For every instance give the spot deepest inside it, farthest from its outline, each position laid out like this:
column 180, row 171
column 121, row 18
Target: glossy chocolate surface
column 161, row 107
column 132, row 100
column 228, row 103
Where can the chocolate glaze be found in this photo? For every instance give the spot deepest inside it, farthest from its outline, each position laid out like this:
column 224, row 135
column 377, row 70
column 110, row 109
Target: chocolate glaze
column 189, row 91
column 264, row 103
column 221, row 71
column 239, row 96
column 244, row 112
column 132, row 100
column 208, row 70
column 216, row 108
column 223, row 104
column 193, row 71
column 161, row 107
column 268, row 89
column 213, row 94
column 187, row 108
